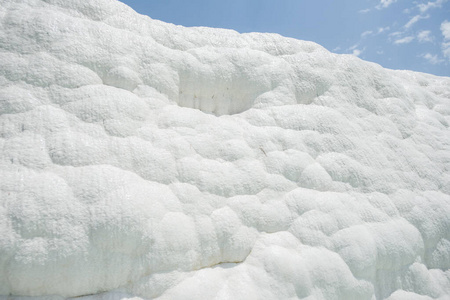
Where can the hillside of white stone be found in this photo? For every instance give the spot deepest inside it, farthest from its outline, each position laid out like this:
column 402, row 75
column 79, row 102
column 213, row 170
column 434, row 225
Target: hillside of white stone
column 144, row 159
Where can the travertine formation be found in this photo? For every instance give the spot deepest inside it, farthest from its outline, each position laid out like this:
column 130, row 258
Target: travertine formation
column 144, row 159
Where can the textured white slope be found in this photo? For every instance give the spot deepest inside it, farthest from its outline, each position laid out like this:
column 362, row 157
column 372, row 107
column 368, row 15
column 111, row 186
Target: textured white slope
column 144, row 159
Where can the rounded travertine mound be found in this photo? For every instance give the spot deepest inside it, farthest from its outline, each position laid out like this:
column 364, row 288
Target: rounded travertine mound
column 144, row 159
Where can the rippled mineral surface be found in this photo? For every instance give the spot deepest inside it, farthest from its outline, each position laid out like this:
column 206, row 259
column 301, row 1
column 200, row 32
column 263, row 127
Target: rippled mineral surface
column 140, row 159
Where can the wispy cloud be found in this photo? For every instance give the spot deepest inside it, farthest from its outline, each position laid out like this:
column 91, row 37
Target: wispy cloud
column 436, row 4
column 396, row 33
column 353, row 47
column 407, row 10
column 366, row 33
column 364, row 11
column 432, row 59
column 395, row 36
column 385, row 3
column 445, row 29
column 357, row 52
column 424, row 36
column 383, row 29
column 414, row 20
column 446, row 49
column 405, row 40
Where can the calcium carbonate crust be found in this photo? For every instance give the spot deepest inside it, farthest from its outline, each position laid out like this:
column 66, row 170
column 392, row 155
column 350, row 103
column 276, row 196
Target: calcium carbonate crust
column 144, row 159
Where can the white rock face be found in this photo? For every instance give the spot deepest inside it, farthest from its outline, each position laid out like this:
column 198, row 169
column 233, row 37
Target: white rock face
column 143, row 159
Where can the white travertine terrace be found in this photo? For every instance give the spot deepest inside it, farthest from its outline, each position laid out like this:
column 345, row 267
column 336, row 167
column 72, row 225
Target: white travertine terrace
column 144, row 159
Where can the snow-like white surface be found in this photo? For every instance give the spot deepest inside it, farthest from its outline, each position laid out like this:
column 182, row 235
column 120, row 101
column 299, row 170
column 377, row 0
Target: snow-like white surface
column 143, row 159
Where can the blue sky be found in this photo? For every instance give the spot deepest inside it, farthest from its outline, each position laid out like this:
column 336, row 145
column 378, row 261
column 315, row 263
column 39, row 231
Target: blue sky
column 397, row 34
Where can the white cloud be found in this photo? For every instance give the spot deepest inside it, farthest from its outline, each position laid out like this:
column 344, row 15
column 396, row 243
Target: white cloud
column 414, row 20
column 364, row 11
column 404, row 40
column 424, row 36
column 377, row 31
column 446, row 49
column 366, row 33
column 383, row 29
column 436, row 4
column 445, row 29
column 357, row 52
column 353, row 47
column 432, row 59
column 385, row 3
column 397, row 33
